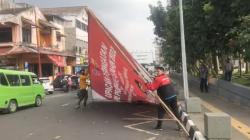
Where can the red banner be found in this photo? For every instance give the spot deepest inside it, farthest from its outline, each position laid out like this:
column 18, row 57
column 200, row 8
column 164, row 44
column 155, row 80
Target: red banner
column 58, row 60
column 114, row 74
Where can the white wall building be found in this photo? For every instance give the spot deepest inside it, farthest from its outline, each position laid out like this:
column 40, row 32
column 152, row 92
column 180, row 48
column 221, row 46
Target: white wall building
column 158, row 56
column 6, row 4
column 144, row 56
column 75, row 30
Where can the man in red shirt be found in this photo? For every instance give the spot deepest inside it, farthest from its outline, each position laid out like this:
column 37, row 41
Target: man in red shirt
column 166, row 91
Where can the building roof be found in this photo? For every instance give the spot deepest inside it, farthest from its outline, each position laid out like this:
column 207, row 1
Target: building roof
column 51, row 17
column 14, row 11
column 63, row 10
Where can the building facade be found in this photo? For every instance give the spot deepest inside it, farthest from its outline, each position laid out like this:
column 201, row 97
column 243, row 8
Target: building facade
column 6, row 4
column 143, row 56
column 76, row 32
column 28, row 41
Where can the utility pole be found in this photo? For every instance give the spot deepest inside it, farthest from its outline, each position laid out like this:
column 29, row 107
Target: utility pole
column 183, row 52
column 38, row 45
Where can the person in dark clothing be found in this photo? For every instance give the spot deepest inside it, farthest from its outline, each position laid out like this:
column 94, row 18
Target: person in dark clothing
column 228, row 70
column 203, row 78
column 166, row 91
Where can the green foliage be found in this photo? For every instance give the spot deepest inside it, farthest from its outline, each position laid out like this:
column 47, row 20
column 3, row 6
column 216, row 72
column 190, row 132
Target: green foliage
column 208, row 8
column 242, row 37
column 167, row 30
column 212, row 28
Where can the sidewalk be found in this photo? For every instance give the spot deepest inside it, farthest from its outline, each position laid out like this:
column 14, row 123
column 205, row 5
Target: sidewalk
column 240, row 121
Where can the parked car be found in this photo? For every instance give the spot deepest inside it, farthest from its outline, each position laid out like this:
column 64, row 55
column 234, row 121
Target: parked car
column 61, row 83
column 75, row 82
column 47, row 85
column 19, row 88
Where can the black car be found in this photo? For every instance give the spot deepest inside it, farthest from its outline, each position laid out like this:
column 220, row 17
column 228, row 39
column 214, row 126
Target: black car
column 61, row 83
column 75, row 82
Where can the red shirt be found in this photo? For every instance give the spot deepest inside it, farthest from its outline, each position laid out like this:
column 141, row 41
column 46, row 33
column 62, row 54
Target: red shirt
column 159, row 81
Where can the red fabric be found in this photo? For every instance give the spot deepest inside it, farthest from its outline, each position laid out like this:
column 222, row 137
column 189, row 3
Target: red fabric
column 113, row 72
column 58, row 60
column 159, row 81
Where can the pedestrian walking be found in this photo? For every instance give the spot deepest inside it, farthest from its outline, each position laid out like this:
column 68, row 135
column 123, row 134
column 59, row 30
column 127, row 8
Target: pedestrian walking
column 83, row 93
column 228, row 70
column 166, row 91
column 203, row 78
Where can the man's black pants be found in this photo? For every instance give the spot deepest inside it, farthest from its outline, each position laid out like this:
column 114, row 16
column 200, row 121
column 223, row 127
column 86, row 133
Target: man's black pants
column 83, row 96
column 172, row 104
column 203, row 83
column 228, row 75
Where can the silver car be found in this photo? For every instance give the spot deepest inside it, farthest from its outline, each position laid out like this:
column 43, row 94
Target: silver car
column 47, row 85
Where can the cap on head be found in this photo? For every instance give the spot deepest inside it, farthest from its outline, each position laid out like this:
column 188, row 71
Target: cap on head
column 82, row 71
column 159, row 68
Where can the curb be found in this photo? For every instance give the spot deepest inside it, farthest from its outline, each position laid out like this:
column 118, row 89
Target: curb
column 194, row 132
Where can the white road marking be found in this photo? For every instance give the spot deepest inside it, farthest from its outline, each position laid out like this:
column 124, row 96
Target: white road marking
column 57, row 137
column 63, row 105
column 140, row 114
column 141, row 130
column 152, row 138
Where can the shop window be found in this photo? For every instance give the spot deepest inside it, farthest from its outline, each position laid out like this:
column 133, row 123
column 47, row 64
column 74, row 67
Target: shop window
column 25, row 80
column 78, row 24
column 81, row 25
column 84, row 27
column 80, row 50
column 5, row 35
column 13, row 80
column 27, row 35
column 3, row 81
column 75, row 49
column 58, row 37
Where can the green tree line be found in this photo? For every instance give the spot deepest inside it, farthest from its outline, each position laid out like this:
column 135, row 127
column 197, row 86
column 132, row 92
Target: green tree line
column 214, row 31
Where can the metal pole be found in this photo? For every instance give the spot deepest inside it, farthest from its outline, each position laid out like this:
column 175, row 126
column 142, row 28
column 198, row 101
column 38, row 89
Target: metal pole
column 38, row 49
column 183, row 52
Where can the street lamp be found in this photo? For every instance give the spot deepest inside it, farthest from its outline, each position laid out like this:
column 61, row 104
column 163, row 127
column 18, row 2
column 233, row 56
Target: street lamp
column 183, row 53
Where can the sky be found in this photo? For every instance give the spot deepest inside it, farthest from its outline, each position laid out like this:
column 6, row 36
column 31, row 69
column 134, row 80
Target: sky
column 126, row 19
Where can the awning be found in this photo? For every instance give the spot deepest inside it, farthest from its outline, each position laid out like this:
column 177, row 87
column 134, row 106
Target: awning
column 20, row 50
column 61, row 35
column 28, row 21
column 4, row 50
column 47, row 24
column 52, row 52
column 4, row 18
column 58, row 60
column 16, row 50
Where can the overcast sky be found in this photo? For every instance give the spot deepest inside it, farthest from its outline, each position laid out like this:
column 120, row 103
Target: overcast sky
column 126, row 19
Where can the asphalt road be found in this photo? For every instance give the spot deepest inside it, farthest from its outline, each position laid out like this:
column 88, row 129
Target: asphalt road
column 57, row 119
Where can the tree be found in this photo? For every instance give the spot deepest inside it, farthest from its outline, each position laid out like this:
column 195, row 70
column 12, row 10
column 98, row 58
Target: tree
column 242, row 37
column 167, row 31
column 212, row 30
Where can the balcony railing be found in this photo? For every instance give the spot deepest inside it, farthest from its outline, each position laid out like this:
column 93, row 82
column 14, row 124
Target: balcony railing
column 8, row 44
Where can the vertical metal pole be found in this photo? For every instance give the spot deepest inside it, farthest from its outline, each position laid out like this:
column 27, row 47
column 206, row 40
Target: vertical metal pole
column 183, row 50
column 38, row 44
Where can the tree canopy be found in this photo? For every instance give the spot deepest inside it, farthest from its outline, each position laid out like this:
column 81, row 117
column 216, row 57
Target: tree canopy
column 213, row 29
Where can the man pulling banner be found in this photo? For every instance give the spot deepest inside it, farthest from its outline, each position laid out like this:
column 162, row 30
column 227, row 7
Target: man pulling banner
column 114, row 73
